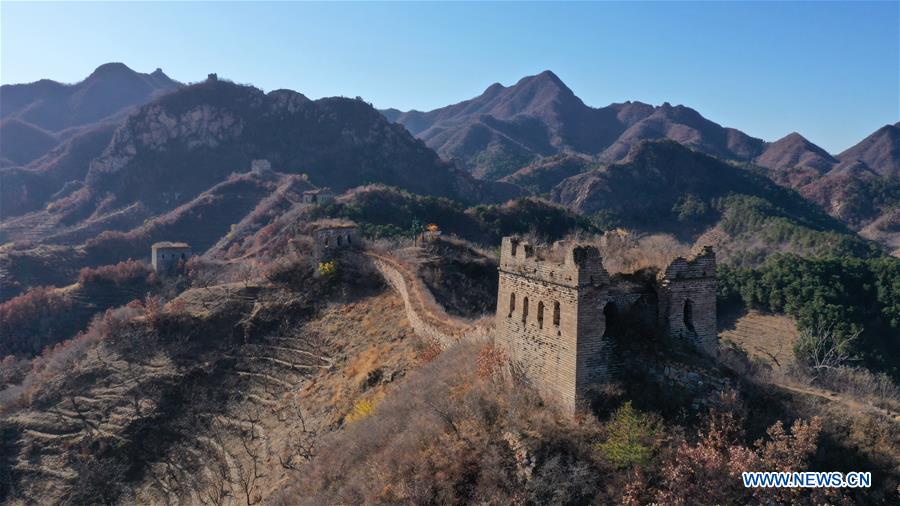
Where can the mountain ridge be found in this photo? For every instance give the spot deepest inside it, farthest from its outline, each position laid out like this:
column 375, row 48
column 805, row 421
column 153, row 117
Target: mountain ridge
column 553, row 120
column 108, row 90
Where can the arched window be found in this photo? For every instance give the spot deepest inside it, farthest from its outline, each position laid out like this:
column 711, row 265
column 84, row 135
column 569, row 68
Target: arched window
column 339, row 240
column 556, row 313
column 611, row 317
column 689, row 315
column 540, row 314
column 348, row 238
column 326, row 241
column 524, row 309
column 512, row 304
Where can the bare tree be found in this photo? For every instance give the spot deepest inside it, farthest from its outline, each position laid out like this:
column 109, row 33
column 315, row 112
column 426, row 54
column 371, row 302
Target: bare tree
column 823, row 348
column 300, row 446
column 249, row 473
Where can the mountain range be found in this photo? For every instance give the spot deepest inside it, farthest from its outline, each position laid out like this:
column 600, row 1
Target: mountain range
column 540, row 116
column 49, row 131
column 109, row 91
column 538, row 132
column 113, row 176
column 122, row 147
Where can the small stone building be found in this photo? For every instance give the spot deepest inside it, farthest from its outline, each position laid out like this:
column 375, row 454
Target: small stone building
column 318, row 196
column 166, row 255
column 260, row 166
column 333, row 235
column 559, row 312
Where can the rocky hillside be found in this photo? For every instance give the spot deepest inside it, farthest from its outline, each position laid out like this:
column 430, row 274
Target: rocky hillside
column 170, row 151
column 880, row 151
column 794, row 161
column 53, row 175
column 23, row 142
column 542, row 175
column 217, row 394
column 861, row 186
column 206, row 131
column 212, row 216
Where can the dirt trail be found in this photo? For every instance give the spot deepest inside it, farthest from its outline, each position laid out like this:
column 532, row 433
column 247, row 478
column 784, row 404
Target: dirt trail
column 770, row 338
column 425, row 315
column 851, row 403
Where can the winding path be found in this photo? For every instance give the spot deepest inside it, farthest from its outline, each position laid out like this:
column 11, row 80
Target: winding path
column 425, row 315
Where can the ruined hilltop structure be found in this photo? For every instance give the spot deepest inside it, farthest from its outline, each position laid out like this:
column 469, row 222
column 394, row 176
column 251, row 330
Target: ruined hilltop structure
column 165, row 256
column 559, row 312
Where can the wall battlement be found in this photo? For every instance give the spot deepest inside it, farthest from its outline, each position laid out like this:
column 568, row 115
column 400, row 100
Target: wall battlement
column 562, row 263
column 558, row 312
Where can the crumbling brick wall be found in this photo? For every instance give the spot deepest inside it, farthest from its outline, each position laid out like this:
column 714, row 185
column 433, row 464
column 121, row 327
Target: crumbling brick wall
column 551, row 305
column 687, row 300
column 329, row 240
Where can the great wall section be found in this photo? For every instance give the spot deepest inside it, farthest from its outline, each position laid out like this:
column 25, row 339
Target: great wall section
column 425, row 315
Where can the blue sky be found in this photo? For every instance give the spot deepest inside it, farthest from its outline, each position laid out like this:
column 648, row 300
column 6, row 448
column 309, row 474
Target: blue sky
column 828, row 70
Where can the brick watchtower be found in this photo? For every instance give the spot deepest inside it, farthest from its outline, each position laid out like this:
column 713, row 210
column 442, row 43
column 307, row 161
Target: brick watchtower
column 562, row 319
column 550, row 316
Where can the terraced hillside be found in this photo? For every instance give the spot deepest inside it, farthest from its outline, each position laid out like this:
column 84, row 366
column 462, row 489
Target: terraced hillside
column 208, row 399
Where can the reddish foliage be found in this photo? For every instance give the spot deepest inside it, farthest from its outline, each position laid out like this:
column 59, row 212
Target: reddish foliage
column 122, row 273
column 712, row 467
column 430, row 352
column 28, row 322
column 490, row 360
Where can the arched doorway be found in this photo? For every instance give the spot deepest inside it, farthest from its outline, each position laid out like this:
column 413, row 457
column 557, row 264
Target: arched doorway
column 614, row 334
column 688, row 315
column 611, row 317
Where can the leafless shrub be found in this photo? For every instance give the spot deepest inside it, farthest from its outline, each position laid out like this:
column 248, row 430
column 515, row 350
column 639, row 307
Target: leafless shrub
column 860, row 383
column 823, row 348
column 625, row 252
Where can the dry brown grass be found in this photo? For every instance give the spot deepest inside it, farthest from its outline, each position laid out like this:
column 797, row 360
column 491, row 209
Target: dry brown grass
column 443, row 436
column 625, row 252
column 765, row 337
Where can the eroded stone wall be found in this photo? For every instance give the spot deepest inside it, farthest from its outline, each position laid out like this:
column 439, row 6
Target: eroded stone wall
column 565, row 355
column 687, row 300
column 560, row 350
column 330, row 240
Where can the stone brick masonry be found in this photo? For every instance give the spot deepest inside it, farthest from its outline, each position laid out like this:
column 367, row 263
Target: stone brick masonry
column 551, row 306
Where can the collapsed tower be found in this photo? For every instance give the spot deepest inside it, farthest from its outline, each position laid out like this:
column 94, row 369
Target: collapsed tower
column 556, row 308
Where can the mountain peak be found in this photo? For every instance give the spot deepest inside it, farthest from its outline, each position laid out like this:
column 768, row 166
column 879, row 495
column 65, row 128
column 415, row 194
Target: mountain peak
column 880, row 151
column 546, row 79
column 112, row 68
column 793, row 138
column 549, row 75
column 494, row 89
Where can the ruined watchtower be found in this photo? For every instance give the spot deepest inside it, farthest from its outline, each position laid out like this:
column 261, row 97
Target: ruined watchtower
column 260, row 167
column 320, row 196
column 558, row 312
column 166, row 255
column 331, row 236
